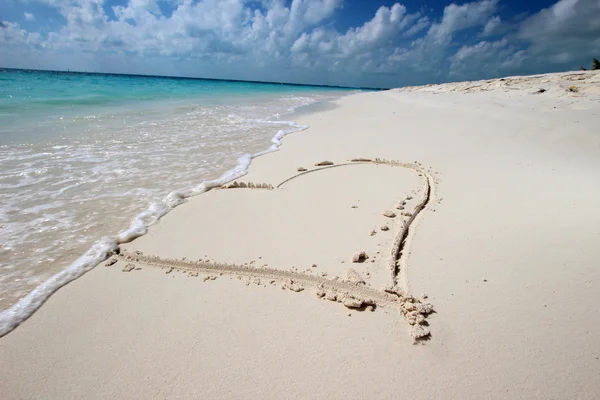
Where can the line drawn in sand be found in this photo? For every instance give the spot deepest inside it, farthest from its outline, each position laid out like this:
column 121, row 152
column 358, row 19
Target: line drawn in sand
column 352, row 293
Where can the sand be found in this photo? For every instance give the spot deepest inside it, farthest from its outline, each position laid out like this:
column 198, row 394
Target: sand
column 489, row 192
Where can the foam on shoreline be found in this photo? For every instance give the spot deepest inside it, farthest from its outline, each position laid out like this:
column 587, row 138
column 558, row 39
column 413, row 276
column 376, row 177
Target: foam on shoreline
column 104, row 247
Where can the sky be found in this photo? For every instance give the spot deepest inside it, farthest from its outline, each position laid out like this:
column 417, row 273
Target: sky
column 358, row 43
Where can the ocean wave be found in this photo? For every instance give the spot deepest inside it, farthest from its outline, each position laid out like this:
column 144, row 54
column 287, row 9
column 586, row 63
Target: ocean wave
column 104, row 247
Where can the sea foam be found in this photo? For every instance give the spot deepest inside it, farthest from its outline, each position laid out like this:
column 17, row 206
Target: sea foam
column 104, row 247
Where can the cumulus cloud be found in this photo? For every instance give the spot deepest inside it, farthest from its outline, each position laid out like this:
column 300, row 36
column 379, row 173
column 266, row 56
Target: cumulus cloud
column 385, row 25
column 492, row 27
column 421, row 24
column 297, row 41
column 29, row 16
column 483, row 59
column 569, row 31
column 461, row 17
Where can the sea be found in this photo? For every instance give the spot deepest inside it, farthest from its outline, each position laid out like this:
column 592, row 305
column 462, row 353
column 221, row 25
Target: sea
column 89, row 161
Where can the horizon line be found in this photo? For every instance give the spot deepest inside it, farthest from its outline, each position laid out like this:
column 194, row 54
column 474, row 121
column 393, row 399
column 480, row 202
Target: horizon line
column 192, row 78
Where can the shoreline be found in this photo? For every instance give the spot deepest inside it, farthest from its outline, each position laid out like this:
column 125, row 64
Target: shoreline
column 105, row 246
column 505, row 250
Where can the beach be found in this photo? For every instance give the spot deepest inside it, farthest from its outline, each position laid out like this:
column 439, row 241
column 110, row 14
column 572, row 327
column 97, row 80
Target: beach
column 475, row 208
column 88, row 161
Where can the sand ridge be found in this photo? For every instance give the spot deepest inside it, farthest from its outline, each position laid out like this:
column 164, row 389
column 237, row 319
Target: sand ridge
column 567, row 84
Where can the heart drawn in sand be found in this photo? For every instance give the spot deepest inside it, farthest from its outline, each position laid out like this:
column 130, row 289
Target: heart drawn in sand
column 342, row 229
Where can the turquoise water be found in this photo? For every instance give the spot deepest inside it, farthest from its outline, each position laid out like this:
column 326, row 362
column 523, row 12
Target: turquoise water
column 89, row 160
column 29, row 97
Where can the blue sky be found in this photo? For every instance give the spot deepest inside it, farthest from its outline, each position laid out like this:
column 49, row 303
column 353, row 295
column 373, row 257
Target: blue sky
column 371, row 43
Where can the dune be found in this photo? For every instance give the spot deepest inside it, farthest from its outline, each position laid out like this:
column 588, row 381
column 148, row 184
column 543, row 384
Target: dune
column 426, row 242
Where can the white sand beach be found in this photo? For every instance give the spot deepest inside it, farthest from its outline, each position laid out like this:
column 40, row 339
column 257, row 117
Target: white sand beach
column 490, row 192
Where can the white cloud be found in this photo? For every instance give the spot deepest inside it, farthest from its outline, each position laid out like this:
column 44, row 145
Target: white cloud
column 425, row 59
column 29, row 16
column 484, row 59
column 565, row 18
column 462, row 17
column 364, row 49
column 12, row 34
column 492, row 27
column 295, row 40
column 421, row 24
column 569, row 27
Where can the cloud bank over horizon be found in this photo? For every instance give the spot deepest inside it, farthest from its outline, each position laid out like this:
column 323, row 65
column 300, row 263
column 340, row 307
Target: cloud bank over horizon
column 301, row 41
